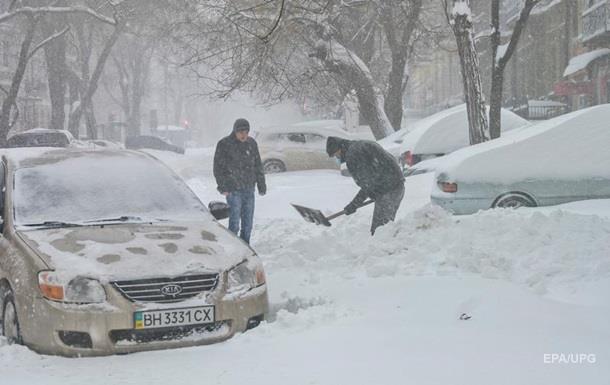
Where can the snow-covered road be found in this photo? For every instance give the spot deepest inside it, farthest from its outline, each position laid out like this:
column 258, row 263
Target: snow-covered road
column 351, row 309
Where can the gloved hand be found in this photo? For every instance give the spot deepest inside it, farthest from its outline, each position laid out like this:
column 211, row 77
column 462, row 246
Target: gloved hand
column 350, row 208
column 262, row 190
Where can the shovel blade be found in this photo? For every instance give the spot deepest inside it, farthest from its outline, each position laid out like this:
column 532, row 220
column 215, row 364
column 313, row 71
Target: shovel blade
column 312, row 215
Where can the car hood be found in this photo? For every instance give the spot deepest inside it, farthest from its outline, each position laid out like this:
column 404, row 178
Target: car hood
column 128, row 251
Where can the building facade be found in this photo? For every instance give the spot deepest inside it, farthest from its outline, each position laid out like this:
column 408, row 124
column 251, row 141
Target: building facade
column 562, row 57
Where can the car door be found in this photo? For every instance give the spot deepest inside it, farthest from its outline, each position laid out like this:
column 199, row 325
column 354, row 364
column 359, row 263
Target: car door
column 292, row 146
column 316, row 145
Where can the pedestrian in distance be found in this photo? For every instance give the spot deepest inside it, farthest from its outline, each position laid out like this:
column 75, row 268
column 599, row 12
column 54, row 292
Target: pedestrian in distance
column 238, row 169
column 377, row 174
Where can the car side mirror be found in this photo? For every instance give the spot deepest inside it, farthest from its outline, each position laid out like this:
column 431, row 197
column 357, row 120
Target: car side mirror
column 219, row 210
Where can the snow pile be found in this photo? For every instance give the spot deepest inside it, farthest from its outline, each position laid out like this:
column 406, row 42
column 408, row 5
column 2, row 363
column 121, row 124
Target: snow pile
column 538, row 250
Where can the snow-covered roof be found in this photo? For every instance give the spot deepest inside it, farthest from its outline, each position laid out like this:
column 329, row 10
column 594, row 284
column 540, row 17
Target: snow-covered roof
column 571, row 146
column 581, row 62
column 329, row 123
column 40, row 130
column 447, row 131
column 17, row 155
column 24, row 156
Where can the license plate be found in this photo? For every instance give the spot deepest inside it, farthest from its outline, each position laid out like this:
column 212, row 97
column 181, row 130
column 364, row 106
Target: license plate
column 173, row 317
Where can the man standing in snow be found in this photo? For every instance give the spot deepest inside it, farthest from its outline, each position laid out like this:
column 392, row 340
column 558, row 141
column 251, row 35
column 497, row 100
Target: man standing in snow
column 237, row 168
column 377, row 174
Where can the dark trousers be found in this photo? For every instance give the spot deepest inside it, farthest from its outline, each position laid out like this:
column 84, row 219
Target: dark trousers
column 241, row 211
column 386, row 207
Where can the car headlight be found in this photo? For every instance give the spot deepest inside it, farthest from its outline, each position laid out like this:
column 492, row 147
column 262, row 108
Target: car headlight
column 245, row 276
column 58, row 287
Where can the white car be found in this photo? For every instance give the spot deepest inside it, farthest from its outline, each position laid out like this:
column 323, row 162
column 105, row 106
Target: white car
column 440, row 134
column 561, row 160
column 300, row 146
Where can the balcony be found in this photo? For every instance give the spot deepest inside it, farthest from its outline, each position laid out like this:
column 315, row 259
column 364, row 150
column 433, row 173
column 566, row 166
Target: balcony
column 596, row 23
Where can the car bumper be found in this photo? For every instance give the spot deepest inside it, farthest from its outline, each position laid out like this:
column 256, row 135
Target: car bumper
column 461, row 206
column 62, row 328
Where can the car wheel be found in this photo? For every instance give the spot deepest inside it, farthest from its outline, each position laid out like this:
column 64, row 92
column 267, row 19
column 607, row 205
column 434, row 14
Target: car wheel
column 272, row 166
column 514, row 200
column 10, row 323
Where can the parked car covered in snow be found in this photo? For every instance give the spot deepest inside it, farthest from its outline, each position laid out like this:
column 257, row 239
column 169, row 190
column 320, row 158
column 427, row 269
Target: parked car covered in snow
column 441, row 134
column 300, row 146
column 40, row 137
column 151, row 142
column 110, row 252
column 560, row 160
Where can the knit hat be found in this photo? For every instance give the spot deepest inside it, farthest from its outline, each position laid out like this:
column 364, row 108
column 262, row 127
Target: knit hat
column 334, row 144
column 241, row 125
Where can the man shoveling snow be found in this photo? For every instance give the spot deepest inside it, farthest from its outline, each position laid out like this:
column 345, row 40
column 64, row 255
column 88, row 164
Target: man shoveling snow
column 376, row 173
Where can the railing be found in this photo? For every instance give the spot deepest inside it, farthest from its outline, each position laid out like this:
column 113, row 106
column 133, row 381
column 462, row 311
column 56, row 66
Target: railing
column 596, row 21
column 538, row 109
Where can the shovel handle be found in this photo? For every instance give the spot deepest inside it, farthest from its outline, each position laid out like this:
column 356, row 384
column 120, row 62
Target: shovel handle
column 335, row 215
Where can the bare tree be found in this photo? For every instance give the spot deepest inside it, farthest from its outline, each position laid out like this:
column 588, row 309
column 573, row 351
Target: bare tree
column 399, row 20
column 30, row 17
column 55, row 59
column 132, row 58
column 501, row 55
column 460, row 19
column 86, row 40
column 9, row 105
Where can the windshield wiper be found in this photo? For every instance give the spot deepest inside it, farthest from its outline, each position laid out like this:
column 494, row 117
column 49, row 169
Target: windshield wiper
column 123, row 218
column 52, row 224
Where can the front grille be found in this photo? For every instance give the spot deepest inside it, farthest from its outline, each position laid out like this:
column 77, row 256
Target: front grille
column 149, row 290
column 191, row 332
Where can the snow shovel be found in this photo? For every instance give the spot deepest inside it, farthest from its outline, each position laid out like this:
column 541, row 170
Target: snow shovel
column 316, row 216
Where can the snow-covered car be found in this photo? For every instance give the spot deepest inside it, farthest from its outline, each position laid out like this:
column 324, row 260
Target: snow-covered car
column 561, row 160
column 299, row 146
column 41, row 137
column 441, row 134
column 109, row 252
column 425, row 166
column 105, row 144
column 151, row 142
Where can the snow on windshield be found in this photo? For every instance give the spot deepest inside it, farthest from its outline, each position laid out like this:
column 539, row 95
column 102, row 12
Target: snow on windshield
column 87, row 188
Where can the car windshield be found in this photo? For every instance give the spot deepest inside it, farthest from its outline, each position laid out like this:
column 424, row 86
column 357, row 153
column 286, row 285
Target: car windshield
column 123, row 186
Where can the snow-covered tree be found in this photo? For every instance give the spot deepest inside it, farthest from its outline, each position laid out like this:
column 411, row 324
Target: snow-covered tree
column 501, row 54
column 459, row 16
column 304, row 49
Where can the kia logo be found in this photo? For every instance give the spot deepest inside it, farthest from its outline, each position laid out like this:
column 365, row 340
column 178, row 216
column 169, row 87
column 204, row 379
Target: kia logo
column 171, row 290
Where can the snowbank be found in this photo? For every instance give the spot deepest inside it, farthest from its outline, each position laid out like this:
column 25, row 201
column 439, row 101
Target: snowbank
column 538, row 250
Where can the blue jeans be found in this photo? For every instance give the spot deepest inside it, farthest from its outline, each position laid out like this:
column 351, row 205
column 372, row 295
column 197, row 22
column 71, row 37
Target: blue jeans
column 241, row 208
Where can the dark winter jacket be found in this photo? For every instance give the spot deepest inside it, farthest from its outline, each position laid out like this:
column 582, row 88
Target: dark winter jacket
column 238, row 165
column 374, row 170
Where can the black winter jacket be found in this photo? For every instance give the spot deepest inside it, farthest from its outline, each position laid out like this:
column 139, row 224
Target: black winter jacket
column 374, row 170
column 238, row 165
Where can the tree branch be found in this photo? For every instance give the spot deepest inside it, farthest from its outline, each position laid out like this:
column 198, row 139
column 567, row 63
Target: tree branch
column 519, row 27
column 48, row 10
column 48, row 40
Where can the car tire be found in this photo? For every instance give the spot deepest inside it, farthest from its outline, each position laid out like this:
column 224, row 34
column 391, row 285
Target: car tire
column 10, row 322
column 272, row 166
column 514, row 200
